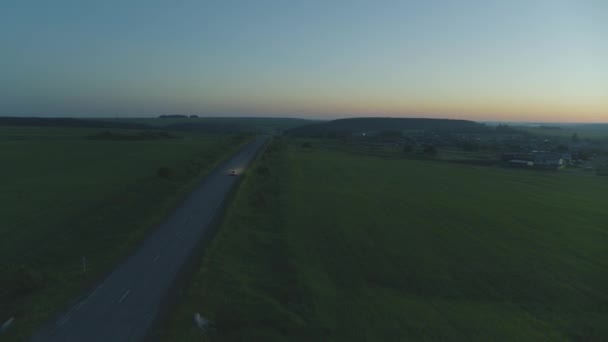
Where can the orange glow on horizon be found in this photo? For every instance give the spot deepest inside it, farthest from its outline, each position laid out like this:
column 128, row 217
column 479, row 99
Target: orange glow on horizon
column 498, row 113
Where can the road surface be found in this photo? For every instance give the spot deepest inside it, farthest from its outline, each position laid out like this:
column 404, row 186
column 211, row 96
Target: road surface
column 125, row 305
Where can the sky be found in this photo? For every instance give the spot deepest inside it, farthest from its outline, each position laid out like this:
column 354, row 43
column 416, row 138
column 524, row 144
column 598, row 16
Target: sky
column 516, row 60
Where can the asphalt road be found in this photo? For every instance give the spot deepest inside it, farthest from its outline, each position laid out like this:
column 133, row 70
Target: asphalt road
column 125, row 305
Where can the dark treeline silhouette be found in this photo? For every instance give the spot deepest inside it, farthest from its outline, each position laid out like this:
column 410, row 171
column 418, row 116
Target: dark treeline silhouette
column 344, row 127
column 146, row 135
column 177, row 116
column 69, row 122
column 192, row 123
column 206, row 127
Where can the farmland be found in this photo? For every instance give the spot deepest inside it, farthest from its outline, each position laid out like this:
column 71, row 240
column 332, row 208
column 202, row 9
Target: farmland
column 323, row 244
column 74, row 202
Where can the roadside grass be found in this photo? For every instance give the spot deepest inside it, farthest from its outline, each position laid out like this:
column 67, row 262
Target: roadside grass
column 65, row 197
column 346, row 247
column 246, row 285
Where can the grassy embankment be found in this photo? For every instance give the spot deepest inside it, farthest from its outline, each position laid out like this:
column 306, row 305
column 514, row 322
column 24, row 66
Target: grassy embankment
column 328, row 245
column 65, row 197
column 246, row 283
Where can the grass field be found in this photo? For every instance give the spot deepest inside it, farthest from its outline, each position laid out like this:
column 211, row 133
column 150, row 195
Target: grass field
column 327, row 245
column 65, row 197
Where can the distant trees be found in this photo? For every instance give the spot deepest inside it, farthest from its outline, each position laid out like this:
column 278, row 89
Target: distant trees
column 429, row 150
column 178, row 116
column 173, row 116
column 585, row 154
column 425, row 149
column 389, row 136
column 355, row 126
column 504, row 128
column 575, row 138
column 470, row 146
column 514, row 148
column 71, row 122
column 145, row 135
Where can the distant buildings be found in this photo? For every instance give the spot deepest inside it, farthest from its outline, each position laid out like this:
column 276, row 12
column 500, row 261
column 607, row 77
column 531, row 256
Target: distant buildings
column 537, row 159
column 521, row 163
column 548, row 160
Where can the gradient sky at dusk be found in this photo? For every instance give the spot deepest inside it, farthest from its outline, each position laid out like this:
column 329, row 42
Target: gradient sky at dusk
column 516, row 60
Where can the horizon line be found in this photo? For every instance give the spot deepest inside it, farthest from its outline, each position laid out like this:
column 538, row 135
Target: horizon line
column 490, row 121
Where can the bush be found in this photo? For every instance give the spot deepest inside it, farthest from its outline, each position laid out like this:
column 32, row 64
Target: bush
column 28, row 280
column 145, row 135
column 470, row 146
column 164, row 172
column 430, row 150
column 262, row 169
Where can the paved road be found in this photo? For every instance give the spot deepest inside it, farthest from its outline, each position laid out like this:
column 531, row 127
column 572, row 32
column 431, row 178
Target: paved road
column 125, row 305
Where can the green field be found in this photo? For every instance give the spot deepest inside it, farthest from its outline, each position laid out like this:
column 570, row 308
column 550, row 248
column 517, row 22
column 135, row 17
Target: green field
column 323, row 245
column 65, row 197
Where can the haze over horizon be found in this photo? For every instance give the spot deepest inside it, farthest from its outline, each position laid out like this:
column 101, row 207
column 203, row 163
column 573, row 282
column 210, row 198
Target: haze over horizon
column 515, row 61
